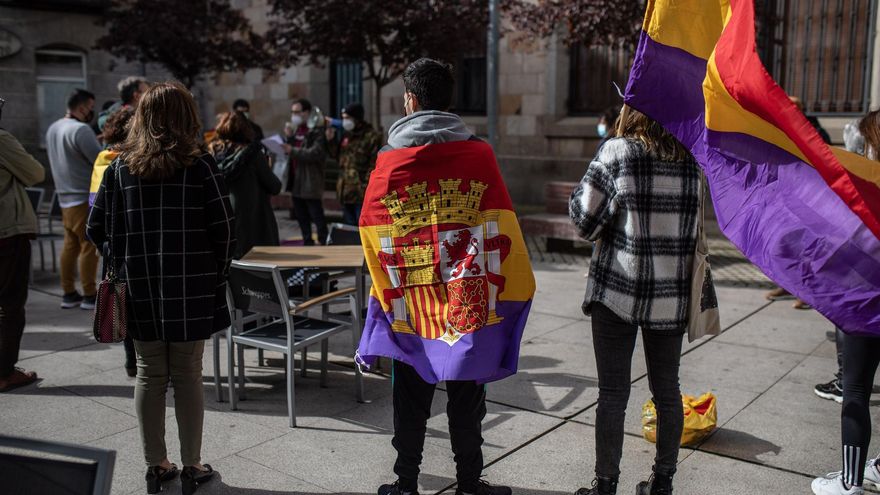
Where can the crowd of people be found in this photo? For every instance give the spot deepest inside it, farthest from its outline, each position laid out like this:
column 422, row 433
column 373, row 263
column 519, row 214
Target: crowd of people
column 168, row 209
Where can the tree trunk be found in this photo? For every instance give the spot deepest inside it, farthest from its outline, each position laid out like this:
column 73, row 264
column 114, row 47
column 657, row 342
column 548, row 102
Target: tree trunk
column 377, row 105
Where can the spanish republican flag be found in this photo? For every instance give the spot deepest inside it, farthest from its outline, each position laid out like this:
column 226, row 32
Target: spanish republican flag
column 808, row 215
column 452, row 282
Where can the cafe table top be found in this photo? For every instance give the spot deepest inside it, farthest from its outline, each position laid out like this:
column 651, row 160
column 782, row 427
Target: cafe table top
column 307, row 256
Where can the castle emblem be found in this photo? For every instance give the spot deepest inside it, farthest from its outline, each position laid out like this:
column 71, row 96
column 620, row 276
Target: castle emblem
column 443, row 255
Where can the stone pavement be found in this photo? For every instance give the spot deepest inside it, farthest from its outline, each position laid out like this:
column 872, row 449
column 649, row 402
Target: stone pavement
column 773, row 435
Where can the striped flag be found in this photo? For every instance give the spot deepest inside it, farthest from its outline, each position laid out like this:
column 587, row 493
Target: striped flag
column 807, row 214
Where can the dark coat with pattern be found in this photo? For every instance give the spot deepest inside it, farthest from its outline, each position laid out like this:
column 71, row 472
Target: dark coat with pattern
column 172, row 241
column 251, row 186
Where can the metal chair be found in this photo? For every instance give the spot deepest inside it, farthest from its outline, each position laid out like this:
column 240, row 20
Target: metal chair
column 36, row 194
column 341, row 234
column 257, row 294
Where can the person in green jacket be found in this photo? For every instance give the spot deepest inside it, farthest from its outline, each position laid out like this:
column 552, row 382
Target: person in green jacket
column 250, row 180
column 18, row 225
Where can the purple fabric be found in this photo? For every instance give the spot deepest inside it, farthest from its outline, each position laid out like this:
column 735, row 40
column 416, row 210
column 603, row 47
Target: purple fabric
column 774, row 207
column 489, row 354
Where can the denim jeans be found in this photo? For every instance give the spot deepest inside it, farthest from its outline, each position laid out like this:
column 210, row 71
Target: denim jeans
column 613, row 343
column 465, row 407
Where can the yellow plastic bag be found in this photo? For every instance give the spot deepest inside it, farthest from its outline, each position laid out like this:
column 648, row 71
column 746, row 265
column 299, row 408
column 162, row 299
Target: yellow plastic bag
column 700, row 418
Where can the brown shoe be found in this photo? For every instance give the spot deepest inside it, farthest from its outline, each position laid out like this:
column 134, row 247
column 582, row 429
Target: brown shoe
column 778, row 294
column 18, row 378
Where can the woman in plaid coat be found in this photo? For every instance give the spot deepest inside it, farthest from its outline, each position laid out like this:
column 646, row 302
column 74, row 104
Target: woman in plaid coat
column 164, row 211
column 639, row 201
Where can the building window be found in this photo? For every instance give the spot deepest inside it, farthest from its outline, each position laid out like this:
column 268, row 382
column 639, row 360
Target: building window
column 592, row 71
column 347, row 81
column 470, row 85
column 59, row 72
column 820, row 51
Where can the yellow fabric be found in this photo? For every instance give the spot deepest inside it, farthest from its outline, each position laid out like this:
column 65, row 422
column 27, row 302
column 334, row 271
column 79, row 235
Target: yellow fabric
column 696, row 426
column 101, row 163
column 858, row 165
column 691, row 25
column 725, row 114
column 519, row 284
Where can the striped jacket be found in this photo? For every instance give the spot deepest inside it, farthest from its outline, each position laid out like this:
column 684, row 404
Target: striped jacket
column 643, row 212
column 173, row 241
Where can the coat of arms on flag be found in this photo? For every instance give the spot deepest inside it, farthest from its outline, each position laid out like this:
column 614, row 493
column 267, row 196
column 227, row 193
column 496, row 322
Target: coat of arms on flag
column 452, row 281
column 451, row 291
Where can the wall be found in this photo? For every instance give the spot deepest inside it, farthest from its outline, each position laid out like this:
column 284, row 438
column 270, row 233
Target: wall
column 18, row 85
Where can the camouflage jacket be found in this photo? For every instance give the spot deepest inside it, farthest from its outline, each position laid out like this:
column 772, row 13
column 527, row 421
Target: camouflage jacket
column 357, row 159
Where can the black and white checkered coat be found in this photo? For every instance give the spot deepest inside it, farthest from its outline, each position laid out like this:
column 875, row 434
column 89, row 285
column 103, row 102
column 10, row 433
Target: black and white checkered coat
column 173, row 240
column 643, row 212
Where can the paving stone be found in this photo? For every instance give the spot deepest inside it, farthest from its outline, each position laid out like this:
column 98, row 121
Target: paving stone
column 787, row 422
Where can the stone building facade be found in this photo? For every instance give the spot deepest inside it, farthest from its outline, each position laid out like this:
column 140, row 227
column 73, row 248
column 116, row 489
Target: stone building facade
column 49, row 53
column 551, row 95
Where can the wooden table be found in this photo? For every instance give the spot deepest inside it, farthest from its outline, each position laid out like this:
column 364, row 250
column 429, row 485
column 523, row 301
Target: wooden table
column 320, row 259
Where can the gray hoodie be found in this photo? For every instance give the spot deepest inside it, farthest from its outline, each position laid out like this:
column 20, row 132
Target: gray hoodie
column 427, row 127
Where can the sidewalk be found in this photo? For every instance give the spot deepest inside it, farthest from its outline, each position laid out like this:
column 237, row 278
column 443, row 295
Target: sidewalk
column 774, row 435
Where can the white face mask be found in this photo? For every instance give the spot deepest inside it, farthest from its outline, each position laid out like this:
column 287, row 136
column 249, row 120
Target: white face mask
column 602, row 130
column 347, row 124
column 296, row 120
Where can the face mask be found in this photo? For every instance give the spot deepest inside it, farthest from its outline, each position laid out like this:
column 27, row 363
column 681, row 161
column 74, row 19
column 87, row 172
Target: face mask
column 247, row 115
column 296, row 120
column 89, row 116
column 602, row 130
column 347, row 124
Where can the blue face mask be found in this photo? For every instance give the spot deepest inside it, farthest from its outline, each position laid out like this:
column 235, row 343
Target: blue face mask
column 602, row 130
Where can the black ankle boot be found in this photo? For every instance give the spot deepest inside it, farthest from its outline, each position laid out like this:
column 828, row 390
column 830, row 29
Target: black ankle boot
column 156, row 475
column 191, row 478
column 600, row 486
column 658, row 484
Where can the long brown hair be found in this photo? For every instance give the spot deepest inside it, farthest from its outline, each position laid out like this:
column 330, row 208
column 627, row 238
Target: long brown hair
column 869, row 127
column 636, row 125
column 164, row 132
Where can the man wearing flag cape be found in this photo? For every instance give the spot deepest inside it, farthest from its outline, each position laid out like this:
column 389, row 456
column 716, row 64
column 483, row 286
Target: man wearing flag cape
column 452, row 283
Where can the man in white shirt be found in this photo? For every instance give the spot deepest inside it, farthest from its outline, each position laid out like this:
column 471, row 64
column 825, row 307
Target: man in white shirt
column 72, row 147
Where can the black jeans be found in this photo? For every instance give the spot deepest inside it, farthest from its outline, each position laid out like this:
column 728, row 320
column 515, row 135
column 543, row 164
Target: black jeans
column 861, row 355
column 310, row 211
column 466, row 409
column 15, row 263
column 613, row 343
column 839, row 337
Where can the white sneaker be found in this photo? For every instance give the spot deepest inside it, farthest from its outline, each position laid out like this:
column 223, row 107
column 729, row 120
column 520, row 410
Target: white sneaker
column 832, row 484
column 872, row 476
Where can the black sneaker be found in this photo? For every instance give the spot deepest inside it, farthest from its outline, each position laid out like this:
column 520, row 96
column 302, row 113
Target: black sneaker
column 394, row 489
column 88, row 302
column 832, row 390
column 71, row 300
column 600, row 486
column 484, row 488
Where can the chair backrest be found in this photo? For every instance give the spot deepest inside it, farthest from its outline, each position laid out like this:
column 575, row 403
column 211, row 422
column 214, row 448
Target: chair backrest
column 34, row 466
column 54, row 212
column 55, row 208
column 340, row 234
column 35, row 194
column 257, row 289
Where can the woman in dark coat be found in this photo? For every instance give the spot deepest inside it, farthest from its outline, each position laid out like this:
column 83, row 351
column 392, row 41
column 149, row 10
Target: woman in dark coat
column 250, row 180
column 164, row 211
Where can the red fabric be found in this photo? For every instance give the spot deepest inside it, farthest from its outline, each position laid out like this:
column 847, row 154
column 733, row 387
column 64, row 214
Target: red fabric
column 749, row 83
column 466, row 160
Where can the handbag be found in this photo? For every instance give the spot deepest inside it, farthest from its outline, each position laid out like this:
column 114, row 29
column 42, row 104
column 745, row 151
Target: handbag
column 111, row 319
column 703, row 316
